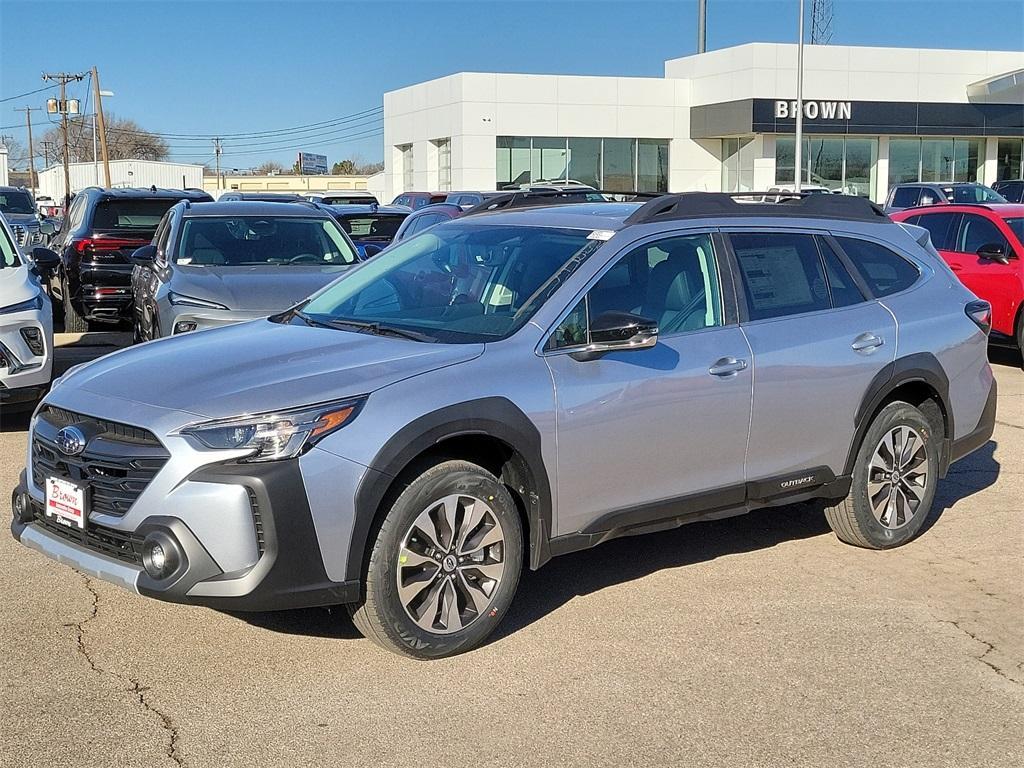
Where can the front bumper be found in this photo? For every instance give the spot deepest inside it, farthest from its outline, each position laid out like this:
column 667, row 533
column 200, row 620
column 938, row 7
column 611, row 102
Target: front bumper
column 287, row 571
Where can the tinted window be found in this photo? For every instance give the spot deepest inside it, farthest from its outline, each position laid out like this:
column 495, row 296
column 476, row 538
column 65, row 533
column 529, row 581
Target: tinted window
column 426, row 221
column 941, row 227
column 130, row 214
column 905, row 197
column 884, row 271
column 976, row 194
column 372, row 227
column 16, row 201
column 929, row 197
column 673, row 282
column 976, row 231
column 1017, row 225
column 782, row 274
column 841, row 287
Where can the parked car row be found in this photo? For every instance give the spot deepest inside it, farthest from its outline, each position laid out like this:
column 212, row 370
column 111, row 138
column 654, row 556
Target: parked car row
column 509, row 386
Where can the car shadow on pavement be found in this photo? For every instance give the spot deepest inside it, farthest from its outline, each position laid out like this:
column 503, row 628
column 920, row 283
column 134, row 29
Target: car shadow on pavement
column 14, row 420
column 635, row 557
column 1005, row 356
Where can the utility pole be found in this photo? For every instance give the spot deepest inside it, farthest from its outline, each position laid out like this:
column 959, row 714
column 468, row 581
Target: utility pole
column 47, row 149
column 216, row 152
column 31, row 153
column 63, row 78
column 702, row 25
column 103, row 126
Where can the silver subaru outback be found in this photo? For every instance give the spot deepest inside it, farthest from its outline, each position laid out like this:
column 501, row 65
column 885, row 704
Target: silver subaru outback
column 512, row 386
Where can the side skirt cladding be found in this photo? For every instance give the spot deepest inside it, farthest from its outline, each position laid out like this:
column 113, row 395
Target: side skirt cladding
column 494, row 418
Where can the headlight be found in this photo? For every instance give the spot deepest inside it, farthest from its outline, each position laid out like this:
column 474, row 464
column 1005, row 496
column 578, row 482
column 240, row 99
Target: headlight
column 36, row 302
column 277, row 435
column 190, row 301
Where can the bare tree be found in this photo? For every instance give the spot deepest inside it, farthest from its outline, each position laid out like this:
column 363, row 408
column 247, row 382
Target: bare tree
column 269, row 168
column 126, row 140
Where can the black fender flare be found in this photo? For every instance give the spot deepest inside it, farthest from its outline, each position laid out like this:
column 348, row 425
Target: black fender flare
column 921, row 367
column 495, row 417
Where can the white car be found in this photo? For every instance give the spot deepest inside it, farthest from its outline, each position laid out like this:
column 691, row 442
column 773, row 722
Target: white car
column 26, row 325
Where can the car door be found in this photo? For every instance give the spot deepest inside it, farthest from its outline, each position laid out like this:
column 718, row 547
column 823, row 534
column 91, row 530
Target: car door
column 997, row 283
column 942, row 226
column 817, row 341
column 640, row 430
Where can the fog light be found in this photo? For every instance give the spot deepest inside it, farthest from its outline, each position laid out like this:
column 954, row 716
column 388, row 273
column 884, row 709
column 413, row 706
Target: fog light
column 159, row 555
column 184, row 327
column 34, row 338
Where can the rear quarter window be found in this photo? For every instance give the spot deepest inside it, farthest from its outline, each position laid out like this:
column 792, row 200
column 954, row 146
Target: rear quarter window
column 884, row 270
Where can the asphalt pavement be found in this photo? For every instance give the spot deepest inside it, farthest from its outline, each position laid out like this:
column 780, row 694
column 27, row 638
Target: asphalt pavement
column 755, row 641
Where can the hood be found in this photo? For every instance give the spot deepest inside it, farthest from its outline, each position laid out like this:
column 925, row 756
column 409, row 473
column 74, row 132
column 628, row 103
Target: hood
column 17, row 284
column 260, row 366
column 264, row 287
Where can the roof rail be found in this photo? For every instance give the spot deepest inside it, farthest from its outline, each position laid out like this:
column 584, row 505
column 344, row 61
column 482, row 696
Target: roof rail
column 531, row 198
column 689, row 205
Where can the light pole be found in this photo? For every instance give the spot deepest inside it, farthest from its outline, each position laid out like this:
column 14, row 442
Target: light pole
column 799, row 102
column 95, row 157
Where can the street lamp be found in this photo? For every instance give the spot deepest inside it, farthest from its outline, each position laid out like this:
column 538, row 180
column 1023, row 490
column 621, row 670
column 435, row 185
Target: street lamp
column 95, row 160
column 798, row 156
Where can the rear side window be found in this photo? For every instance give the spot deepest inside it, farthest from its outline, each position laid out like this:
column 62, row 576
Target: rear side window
column 782, row 274
column 941, row 227
column 905, row 197
column 130, row 214
column 977, row 231
column 885, row 271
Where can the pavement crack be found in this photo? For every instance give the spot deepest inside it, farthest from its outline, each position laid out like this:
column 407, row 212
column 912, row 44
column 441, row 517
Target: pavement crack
column 135, row 687
column 1008, row 424
column 989, row 648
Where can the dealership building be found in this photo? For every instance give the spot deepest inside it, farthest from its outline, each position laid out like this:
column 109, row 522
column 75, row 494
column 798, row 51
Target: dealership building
column 718, row 121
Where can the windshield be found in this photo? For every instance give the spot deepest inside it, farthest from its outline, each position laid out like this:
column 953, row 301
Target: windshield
column 16, row 201
column 975, row 194
column 1017, row 225
column 460, row 283
column 371, row 227
column 236, row 241
column 8, row 253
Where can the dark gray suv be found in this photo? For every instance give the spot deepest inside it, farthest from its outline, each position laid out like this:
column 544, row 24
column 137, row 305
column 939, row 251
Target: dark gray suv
column 512, row 386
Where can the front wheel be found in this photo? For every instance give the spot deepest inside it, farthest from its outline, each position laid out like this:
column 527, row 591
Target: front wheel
column 893, row 484
column 445, row 564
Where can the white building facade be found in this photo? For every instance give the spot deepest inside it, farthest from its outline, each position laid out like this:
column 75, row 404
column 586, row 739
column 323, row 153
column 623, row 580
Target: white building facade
column 718, row 121
column 123, row 173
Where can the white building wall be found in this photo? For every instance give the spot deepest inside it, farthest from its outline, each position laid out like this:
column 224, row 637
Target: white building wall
column 123, row 173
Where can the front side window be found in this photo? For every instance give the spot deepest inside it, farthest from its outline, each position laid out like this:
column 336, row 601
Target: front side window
column 462, row 283
column 976, row 194
column 884, row 271
column 672, row 281
column 977, row 231
column 782, row 274
column 235, row 241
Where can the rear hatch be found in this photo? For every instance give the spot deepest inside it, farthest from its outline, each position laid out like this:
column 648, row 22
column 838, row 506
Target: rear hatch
column 119, row 226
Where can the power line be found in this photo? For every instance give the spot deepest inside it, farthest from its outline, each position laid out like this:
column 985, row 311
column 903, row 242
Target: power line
column 310, row 139
column 28, row 93
column 296, row 147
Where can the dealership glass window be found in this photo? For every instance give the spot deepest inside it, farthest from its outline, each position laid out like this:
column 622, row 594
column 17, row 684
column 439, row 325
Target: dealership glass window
column 838, row 163
column 738, row 164
column 549, row 159
column 904, row 161
column 513, row 161
column 934, row 159
column 619, row 164
column 652, row 166
column 1010, row 159
column 444, row 164
column 585, row 161
column 407, row 178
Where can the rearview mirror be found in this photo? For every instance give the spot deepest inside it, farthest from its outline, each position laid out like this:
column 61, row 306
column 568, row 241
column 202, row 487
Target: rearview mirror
column 144, row 256
column 618, row 331
column 994, row 252
column 44, row 259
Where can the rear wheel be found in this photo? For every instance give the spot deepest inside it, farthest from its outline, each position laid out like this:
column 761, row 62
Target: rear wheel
column 445, row 564
column 893, row 482
column 73, row 322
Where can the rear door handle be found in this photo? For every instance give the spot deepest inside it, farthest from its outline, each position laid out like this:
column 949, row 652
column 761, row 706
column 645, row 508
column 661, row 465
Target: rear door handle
column 867, row 341
column 956, row 267
column 727, row 366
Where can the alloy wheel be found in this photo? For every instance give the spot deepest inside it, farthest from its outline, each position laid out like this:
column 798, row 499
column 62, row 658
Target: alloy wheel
column 451, row 563
column 898, row 477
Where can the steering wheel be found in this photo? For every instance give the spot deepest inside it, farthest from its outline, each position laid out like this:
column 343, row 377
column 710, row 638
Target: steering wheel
column 303, row 257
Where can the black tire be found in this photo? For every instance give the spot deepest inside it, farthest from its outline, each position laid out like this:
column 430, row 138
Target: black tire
column 73, row 322
column 852, row 519
column 382, row 618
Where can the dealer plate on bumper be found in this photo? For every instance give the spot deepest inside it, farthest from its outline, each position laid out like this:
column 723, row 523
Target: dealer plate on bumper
column 65, row 502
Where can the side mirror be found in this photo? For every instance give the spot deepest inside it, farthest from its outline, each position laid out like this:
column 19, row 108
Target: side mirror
column 994, row 252
column 144, row 256
column 371, row 250
column 47, row 227
column 618, row 331
column 45, row 260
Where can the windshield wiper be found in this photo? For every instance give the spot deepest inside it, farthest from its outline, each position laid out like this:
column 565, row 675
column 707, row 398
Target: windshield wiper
column 380, row 330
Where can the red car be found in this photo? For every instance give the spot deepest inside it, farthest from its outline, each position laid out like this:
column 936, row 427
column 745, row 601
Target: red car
column 984, row 245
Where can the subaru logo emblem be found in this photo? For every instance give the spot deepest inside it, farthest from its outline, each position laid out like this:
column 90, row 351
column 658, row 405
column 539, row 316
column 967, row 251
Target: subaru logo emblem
column 71, row 441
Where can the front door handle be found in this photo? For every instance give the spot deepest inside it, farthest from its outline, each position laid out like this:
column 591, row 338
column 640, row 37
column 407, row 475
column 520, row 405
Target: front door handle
column 866, row 342
column 956, row 267
column 727, row 366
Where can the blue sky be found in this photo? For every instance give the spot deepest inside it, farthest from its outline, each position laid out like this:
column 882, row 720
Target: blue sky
column 220, row 66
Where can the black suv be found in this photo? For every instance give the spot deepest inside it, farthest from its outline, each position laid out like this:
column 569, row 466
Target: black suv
column 101, row 230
